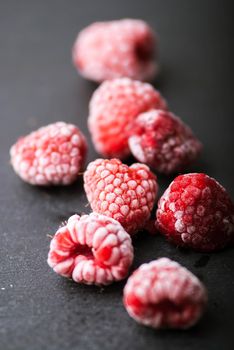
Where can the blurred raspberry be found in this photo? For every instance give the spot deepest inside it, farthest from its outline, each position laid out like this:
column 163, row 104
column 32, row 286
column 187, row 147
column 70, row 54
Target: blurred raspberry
column 125, row 193
column 114, row 49
column 196, row 211
column 163, row 294
column 163, row 141
column 51, row 155
column 92, row 249
column 113, row 107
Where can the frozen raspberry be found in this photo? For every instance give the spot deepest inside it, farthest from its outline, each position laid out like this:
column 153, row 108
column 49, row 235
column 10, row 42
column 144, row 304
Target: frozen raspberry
column 123, row 48
column 196, row 211
column 113, row 107
column 163, row 141
column 51, row 155
column 124, row 193
column 163, row 294
column 91, row 249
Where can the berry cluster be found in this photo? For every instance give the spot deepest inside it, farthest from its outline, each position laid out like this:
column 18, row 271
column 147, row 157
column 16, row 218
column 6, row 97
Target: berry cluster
column 126, row 117
column 113, row 108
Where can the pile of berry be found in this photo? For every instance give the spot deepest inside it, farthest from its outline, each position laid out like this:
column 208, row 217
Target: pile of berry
column 128, row 116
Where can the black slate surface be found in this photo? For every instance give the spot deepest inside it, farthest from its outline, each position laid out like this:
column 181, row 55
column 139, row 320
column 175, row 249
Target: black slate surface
column 38, row 85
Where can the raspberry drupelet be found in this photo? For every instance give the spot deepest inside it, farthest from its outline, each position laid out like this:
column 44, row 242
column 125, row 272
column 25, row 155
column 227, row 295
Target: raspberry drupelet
column 114, row 49
column 91, row 249
column 51, row 155
column 196, row 211
column 113, row 108
column 162, row 141
column 125, row 193
column 163, row 294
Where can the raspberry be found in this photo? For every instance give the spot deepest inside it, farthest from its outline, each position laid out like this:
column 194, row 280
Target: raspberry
column 196, row 211
column 51, row 155
column 113, row 107
column 114, row 49
column 163, row 141
column 92, row 249
column 124, row 193
column 163, row 294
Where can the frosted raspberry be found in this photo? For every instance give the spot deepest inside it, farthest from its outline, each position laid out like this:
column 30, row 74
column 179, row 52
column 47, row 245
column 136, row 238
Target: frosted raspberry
column 163, row 141
column 124, row 193
column 91, row 249
column 163, row 294
column 113, row 107
column 122, row 48
column 51, row 155
column 196, row 211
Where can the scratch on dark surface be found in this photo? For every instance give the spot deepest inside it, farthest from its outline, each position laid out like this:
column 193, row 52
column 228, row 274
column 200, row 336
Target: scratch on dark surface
column 202, row 261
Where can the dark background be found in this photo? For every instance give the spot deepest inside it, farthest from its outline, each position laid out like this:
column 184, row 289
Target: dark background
column 38, row 85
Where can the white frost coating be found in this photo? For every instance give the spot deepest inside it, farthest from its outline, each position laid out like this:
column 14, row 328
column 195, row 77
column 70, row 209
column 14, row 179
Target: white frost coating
column 179, row 226
column 130, row 196
column 164, row 281
column 118, row 100
column 103, row 246
column 167, row 149
column 51, row 155
column 107, row 50
column 99, row 236
column 206, row 209
column 136, row 148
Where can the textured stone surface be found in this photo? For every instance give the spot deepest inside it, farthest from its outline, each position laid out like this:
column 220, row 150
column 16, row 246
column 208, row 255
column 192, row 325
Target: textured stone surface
column 38, row 86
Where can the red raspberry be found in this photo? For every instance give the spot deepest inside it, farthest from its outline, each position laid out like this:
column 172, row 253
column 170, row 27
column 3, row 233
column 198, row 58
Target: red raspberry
column 113, row 107
column 163, row 141
column 123, row 48
column 196, row 211
column 51, row 155
column 92, row 249
column 163, row 294
column 125, row 193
